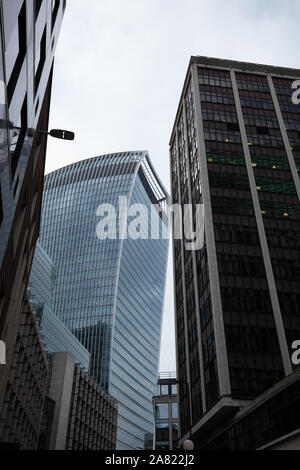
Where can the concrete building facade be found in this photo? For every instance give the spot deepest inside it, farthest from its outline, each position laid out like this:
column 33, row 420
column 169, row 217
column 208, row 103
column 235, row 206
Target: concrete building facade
column 22, row 407
column 83, row 416
column 270, row 422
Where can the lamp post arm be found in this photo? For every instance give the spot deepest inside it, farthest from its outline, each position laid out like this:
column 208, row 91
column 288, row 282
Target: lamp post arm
column 56, row 133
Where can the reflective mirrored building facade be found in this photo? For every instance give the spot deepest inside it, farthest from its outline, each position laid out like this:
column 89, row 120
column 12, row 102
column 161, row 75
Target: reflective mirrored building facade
column 235, row 149
column 28, row 38
column 110, row 293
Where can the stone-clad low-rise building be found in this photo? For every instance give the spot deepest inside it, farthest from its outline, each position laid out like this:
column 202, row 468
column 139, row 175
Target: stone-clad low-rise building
column 21, row 411
column 93, row 417
column 79, row 414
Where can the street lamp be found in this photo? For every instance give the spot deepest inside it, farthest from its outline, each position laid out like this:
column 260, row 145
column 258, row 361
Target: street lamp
column 56, row 133
column 188, row 445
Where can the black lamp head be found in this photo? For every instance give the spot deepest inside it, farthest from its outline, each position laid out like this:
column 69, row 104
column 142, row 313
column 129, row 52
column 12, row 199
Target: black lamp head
column 61, row 134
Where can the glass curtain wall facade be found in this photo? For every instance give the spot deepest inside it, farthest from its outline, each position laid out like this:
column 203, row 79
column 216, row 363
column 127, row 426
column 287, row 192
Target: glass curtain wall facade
column 110, row 293
column 56, row 336
column 233, row 149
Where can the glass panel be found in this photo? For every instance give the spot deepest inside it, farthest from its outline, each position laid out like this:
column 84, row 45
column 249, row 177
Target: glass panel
column 174, row 410
column 175, row 435
column 162, row 436
column 162, row 411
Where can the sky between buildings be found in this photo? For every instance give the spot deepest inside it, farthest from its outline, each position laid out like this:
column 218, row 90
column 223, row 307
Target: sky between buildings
column 120, row 67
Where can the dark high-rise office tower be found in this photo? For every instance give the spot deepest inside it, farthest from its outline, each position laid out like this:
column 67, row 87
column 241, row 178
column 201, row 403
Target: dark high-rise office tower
column 109, row 292
column 234, row 149
column 28, row 36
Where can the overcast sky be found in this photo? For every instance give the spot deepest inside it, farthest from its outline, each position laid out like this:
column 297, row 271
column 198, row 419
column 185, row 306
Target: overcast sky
column 120, row 67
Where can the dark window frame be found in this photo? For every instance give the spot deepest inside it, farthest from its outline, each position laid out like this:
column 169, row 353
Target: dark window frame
column 22, row 28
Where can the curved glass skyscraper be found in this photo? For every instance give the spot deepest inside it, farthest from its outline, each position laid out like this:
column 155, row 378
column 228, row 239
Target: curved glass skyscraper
column 109, row 292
